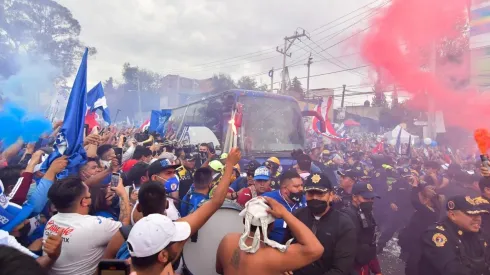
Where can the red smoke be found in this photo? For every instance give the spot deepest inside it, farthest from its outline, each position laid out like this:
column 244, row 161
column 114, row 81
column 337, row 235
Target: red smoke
column 400, row 41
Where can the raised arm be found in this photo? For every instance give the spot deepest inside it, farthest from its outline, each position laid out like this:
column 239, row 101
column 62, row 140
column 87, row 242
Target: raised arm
column 197, row 219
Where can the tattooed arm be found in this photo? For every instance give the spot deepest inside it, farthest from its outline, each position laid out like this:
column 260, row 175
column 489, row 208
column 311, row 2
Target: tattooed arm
column 125, row 210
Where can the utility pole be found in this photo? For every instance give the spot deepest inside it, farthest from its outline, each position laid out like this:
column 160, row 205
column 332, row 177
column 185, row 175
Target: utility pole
column 310, row 61
column 271, row 75
column 343, row 95
column 288, row 42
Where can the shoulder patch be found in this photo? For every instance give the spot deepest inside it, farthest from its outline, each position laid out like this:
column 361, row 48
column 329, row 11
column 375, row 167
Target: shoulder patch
column 439, row 239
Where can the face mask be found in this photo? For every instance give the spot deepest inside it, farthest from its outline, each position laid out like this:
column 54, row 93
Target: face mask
column 296, row 197
column 317, row 206
column 366, row 207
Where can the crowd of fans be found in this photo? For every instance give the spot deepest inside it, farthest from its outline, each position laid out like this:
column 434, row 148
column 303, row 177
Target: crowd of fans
column 139, row 198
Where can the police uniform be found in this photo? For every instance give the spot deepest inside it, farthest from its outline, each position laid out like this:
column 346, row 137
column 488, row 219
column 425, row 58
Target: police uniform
column 400, row 196
column 365, row 224
column 447, row 249
column 484, row 203
column 346, row 198
column 335, row 231
column 186, row 180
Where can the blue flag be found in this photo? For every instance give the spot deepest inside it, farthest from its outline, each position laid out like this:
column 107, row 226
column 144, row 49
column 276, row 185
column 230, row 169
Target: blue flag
column 158, row 120
column 96, row 100
column 69, row 141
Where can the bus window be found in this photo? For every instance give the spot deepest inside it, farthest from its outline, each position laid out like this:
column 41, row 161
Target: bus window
column 271, row 124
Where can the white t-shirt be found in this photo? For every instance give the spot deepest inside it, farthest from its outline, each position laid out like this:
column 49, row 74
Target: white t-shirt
column 85, row 238
column 7, row 240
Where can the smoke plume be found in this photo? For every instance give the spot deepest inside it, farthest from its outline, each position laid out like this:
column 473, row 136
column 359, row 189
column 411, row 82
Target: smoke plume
column 399, row 45
column 22, row 114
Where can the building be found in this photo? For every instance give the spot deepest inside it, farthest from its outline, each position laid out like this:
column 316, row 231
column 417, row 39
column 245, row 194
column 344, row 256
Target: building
column 480, row 44
column 178, row 90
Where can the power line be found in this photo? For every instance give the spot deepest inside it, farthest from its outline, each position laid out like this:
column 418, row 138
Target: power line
column 212, row 64
column 374, row 11
column 333, row 21
column 316, row 75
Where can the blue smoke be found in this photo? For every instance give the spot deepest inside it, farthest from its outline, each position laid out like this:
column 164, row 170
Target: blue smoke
column 21, row 115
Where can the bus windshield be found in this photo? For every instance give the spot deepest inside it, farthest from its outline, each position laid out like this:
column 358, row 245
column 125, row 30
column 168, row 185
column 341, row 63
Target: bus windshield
column 271, row 124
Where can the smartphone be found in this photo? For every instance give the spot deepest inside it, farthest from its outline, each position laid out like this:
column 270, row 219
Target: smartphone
column 211, row 148
column 85, row 129
column 113, row 267
column 119, row 153
column 115, row 179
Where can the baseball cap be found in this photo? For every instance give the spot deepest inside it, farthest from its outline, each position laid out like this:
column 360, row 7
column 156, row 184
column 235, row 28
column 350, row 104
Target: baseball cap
column 364, row 190
column 465, row 204
column 318, row 182
column 160, row 165
column 404, row 172
column 155, row 232
column 354, row 173
column 262, row 173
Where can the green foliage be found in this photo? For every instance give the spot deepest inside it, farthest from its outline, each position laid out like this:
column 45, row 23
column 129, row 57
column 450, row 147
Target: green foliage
column 149, row 81
column 222, row 82
column 41, row 28
column 247, row 83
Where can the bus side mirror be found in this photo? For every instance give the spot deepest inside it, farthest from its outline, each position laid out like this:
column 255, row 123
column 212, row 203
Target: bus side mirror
column 317, row 116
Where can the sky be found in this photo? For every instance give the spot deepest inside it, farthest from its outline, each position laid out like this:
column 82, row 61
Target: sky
column 239, row 37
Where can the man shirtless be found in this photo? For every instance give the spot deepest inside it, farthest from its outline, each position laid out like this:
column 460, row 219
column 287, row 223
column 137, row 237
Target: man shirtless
column 238, row 254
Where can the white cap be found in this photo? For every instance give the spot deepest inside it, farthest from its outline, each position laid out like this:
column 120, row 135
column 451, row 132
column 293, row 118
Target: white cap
column 153, row 233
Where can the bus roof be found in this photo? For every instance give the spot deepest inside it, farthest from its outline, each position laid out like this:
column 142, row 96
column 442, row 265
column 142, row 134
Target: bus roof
column 241, row 92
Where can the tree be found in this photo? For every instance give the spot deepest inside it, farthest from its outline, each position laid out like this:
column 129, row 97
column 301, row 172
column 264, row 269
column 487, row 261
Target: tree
column 247, row 83
column 222, row 82
column 379, row 99
column 263, row 88
column 296, row 89
column 40, row 28
column 297, row 86
column 145, row 80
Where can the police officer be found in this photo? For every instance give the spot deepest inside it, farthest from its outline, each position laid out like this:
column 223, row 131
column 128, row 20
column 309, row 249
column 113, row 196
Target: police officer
column 379, row 180
column 274, row 166
column 343, row 192
column 456, row 244
column 400, row 205
column 334, row 229
column 186, row 173
column 361, row 213
column 484, row 202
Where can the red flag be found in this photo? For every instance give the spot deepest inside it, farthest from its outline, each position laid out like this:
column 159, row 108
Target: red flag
column 90, row 120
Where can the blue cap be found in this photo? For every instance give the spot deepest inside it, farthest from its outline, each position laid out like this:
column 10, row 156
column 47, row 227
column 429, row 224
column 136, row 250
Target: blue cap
column 262, row 173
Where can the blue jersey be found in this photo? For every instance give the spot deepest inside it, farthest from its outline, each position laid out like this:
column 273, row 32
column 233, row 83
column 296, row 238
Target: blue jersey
column 191, row 202
column 277, row 234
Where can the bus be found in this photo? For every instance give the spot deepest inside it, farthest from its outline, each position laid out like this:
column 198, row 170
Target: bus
column 261, row 124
